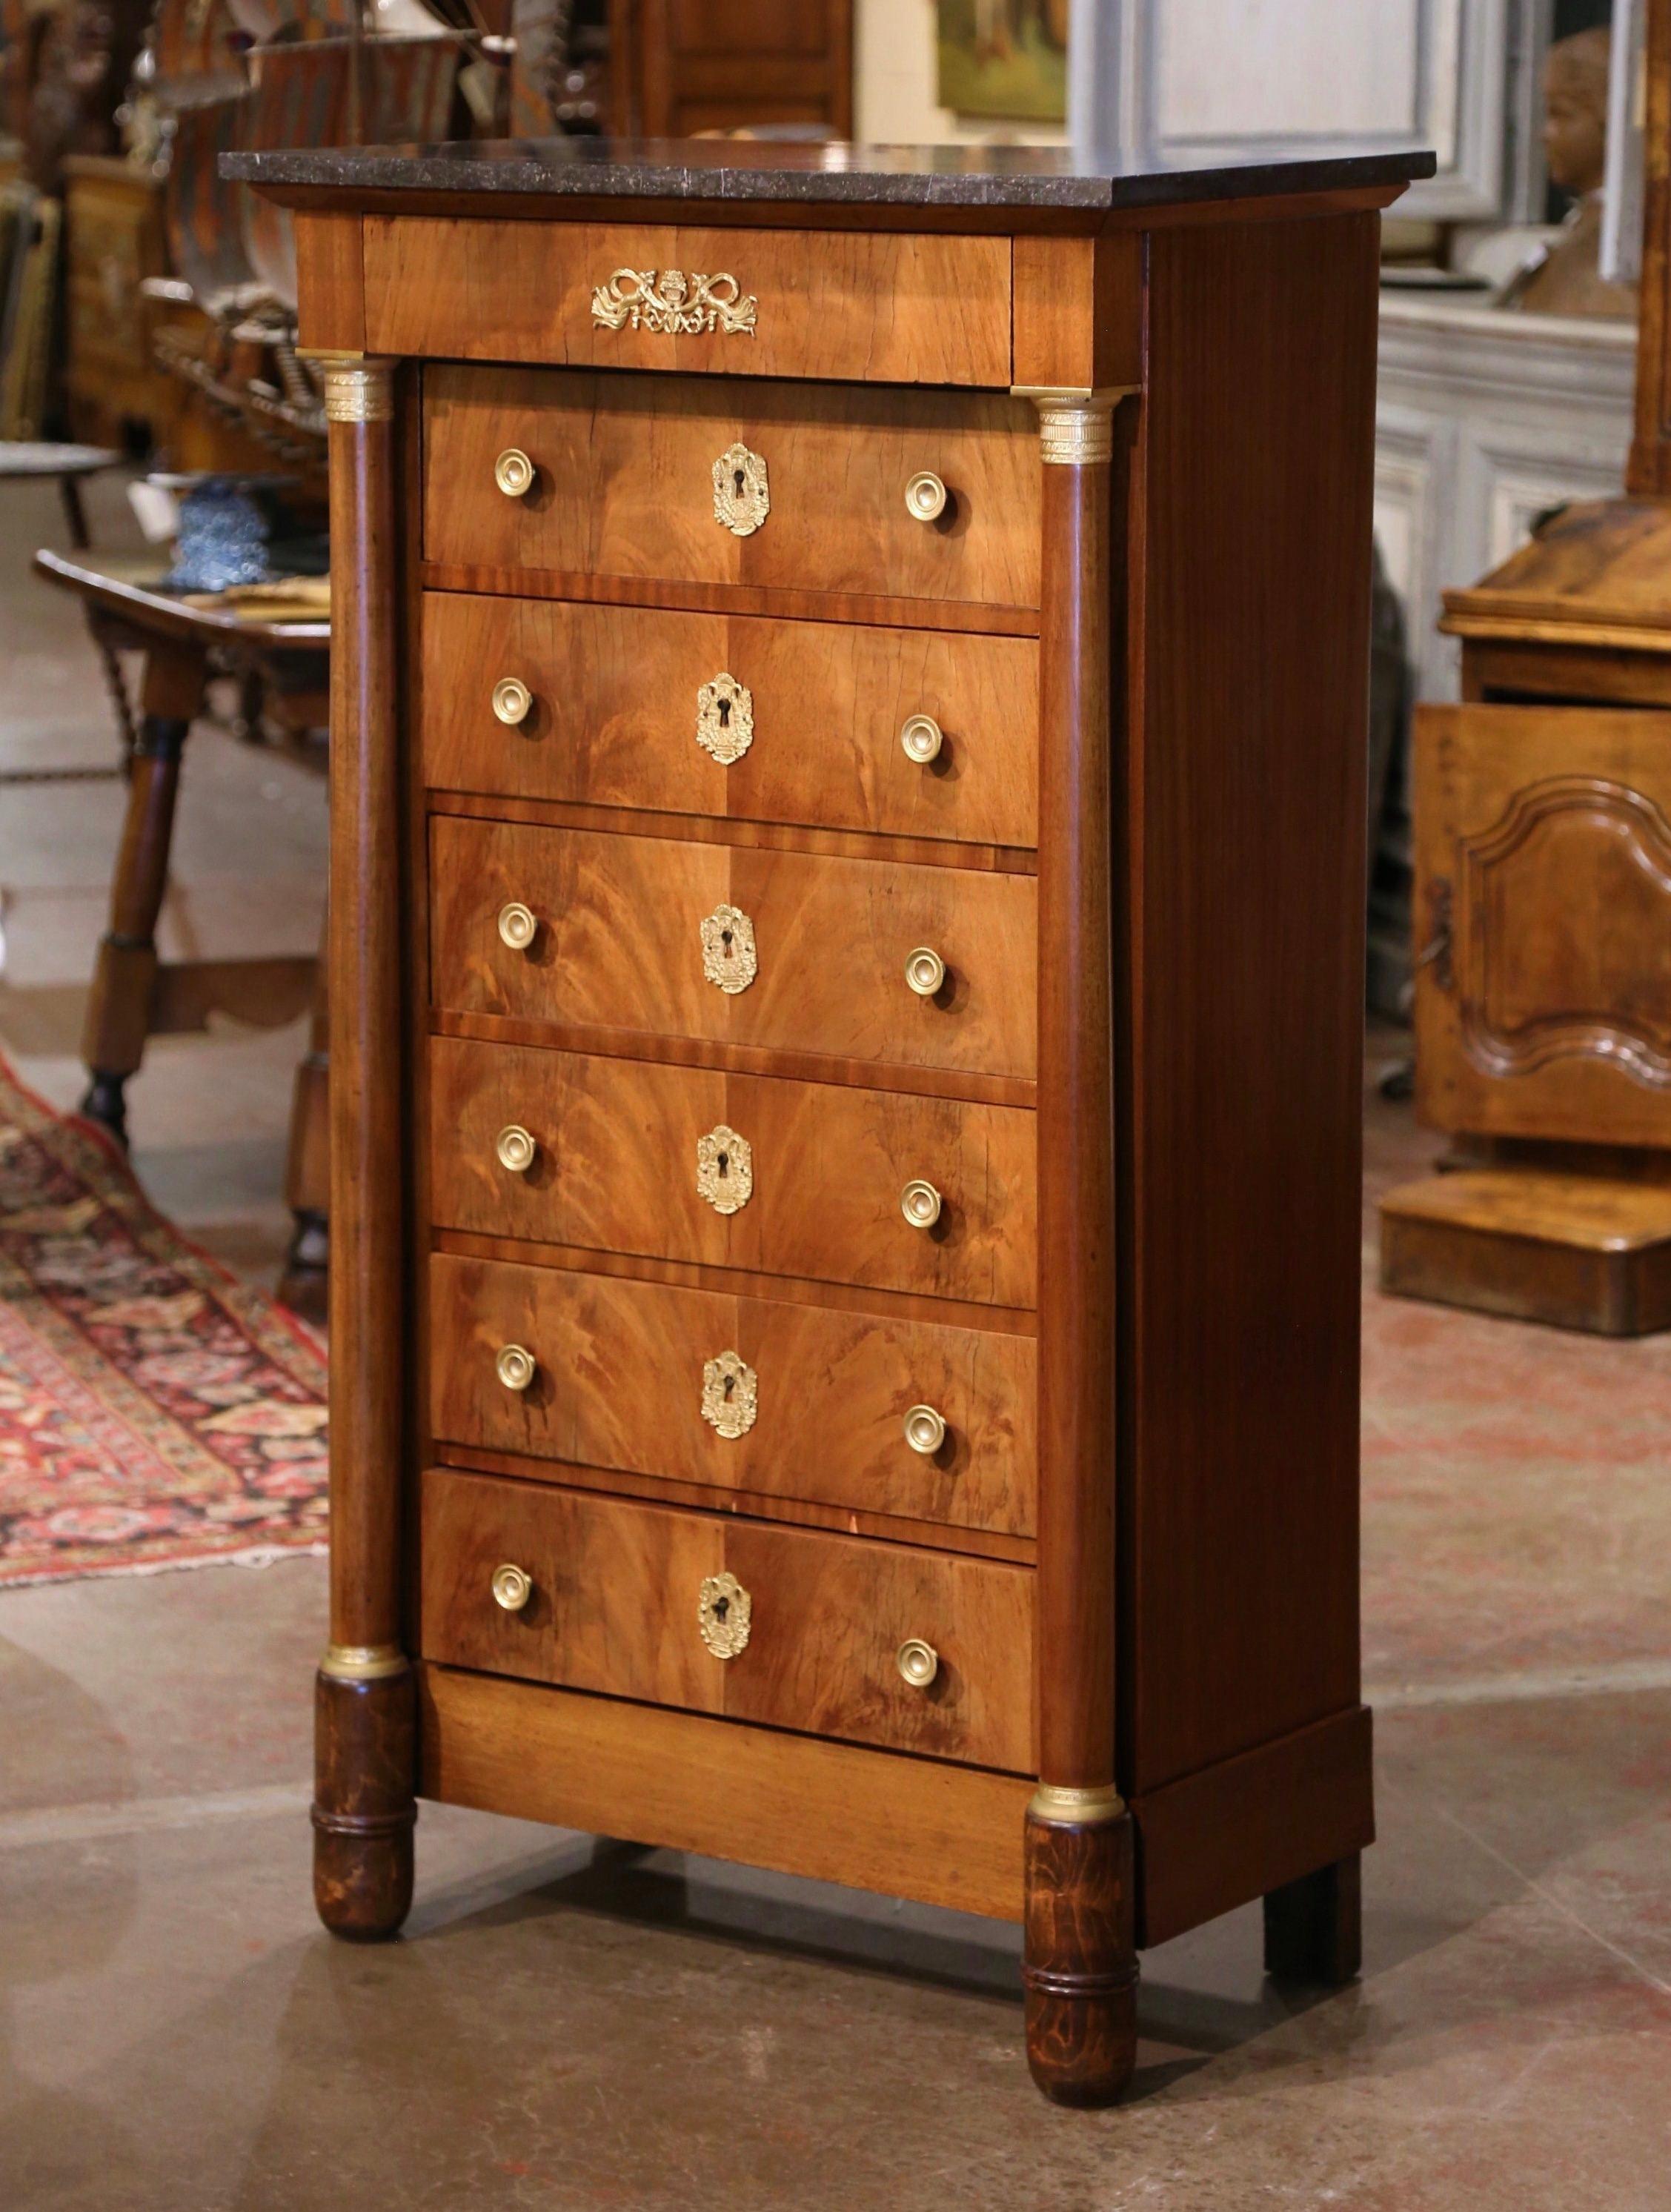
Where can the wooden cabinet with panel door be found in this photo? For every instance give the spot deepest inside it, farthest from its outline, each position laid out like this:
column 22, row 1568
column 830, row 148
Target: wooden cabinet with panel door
column 1542, row 812
column 1543, row 1013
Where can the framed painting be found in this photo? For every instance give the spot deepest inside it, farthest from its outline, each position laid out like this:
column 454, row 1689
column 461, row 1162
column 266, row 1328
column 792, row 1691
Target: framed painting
column 1005, row 59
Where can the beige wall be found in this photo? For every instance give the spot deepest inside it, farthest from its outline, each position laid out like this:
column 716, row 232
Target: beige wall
column 893, row 72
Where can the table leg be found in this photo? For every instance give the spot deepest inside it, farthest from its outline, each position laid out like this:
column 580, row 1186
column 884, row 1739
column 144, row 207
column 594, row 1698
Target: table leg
column 118, row 1011
column 308, row 1172
column 74, row 513
column 116, row 684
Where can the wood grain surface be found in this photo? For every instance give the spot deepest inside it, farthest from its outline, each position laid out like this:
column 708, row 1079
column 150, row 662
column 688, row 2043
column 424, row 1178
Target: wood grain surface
column 620, row 945
column 619, row 1385
column 1243, row 811
column 1079, row 1961
column 771, row 602
column 836, row 1812
column 615, row 1170
column 614, row 717
column 624, row 482
column 614, row 1608
column 884, row 309
column 752, row 1504
column 1574, row 1250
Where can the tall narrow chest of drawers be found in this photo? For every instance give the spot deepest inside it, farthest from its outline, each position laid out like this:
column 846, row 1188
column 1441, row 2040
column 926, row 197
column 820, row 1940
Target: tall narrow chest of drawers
column 847, row 886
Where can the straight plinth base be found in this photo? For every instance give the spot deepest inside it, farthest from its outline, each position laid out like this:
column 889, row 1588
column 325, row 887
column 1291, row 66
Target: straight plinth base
column 1079, row 1961
column 1577, row 1251
column 363, row 1808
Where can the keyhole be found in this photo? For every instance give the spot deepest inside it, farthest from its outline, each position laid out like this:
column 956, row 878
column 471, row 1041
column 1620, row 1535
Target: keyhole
column 739, row 479
column 725, row 940
column 730, row 1385
column 724, row 714
column 725, row 1164
column 721, row 1608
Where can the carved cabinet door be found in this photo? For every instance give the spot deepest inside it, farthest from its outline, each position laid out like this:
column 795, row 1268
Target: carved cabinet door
column 1543, row 922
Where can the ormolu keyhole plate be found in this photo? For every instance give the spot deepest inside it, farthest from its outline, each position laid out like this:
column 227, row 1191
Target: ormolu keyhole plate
column 724, row 1169
column 725, row 719
column 723, row 1610
column 742, row 497
column 730, row 1394
column 729, row 958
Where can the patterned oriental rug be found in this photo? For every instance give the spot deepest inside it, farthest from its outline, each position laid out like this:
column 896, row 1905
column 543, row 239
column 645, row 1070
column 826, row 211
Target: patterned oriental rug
column 154, row 1412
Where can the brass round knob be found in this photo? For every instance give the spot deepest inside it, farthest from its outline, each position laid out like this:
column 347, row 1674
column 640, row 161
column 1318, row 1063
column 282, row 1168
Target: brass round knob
column 926, row 496
column 514, row 1366
column 925, row 1430
column 920, row 739
column 925, row 970
column 917, row 1662
column 513, row 473
column 515, row 1148
column 513, row 1587
column 920, row 1202
column 512, row 699
column 517, row 925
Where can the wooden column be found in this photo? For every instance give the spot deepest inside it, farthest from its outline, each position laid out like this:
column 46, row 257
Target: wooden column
column 1080, row 1965
column 1648, row 473
column 363, row 1810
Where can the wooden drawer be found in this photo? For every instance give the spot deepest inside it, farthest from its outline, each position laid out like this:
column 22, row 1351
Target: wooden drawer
column 616, row 1169
column 637, row 708
column 614, row 1606
column 625, row 483
column 794, row 952
column 624, row 1380
column 888, row 308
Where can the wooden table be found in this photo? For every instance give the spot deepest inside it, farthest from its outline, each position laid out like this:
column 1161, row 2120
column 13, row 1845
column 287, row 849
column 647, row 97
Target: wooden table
column 67, row 465
column 136, row 995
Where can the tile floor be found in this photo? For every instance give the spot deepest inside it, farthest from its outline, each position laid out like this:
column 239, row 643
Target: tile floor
column 571, row 2024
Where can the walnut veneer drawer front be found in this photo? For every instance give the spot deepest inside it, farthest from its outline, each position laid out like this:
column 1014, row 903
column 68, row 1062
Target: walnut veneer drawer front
column 631, row 1157
column 885, row 308
column 915, row 731
column 862, row 1411
column 877, row 1642
column 873, row 960
column 695, row 480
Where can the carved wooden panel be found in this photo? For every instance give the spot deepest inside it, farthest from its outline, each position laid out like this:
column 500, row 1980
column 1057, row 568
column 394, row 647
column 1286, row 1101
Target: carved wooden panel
column 1564, row 914
column 1544, row 922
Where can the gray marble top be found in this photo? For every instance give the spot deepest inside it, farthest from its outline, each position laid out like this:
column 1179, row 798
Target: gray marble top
column 809, row 174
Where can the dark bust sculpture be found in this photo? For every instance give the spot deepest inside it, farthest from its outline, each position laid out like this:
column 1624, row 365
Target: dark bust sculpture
column 1564, row 279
